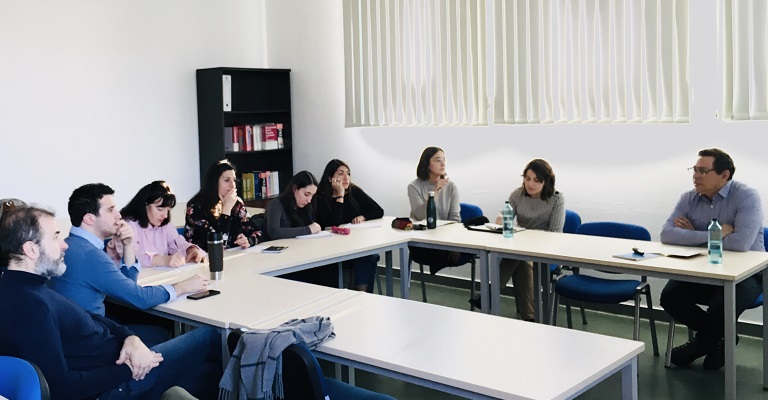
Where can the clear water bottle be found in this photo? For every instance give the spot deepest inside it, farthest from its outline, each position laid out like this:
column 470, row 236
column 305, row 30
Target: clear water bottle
column 508, row 220
column 431, row 212
column 715, row 242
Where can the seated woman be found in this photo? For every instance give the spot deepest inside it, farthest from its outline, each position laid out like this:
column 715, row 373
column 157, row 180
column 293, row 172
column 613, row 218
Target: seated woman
column 537, row 205
column 339, row 201
column 217, row 207
column 431, row 177
column 290, row 215
column 158, row 242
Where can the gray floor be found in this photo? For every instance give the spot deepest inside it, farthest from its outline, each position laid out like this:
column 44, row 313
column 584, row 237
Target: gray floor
column 655, row 381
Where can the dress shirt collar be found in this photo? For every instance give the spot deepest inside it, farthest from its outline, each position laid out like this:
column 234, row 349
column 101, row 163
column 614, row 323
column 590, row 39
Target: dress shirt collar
column 78, row 231
column 723, row 192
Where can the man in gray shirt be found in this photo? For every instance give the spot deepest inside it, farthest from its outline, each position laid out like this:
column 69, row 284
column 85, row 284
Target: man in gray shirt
column 738, row 209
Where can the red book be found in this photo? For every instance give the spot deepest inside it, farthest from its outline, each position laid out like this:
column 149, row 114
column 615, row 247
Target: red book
column 248, row 138
column 270, row 137
column 239, row 133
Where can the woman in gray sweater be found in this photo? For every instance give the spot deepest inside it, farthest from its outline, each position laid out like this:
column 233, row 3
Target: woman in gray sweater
column 537, row 205
column 431, row 177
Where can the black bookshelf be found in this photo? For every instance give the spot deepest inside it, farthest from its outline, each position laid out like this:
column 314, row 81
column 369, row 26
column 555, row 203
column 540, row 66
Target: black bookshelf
column 259, row 96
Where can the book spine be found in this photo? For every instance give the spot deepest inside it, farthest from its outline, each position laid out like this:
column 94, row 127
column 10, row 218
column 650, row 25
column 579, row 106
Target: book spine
column 257, row 142
column 226, row 91
column 248, row 138
column 228, row 143
column 270, row 137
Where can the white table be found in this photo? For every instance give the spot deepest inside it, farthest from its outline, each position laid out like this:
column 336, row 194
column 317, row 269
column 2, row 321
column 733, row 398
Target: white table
column 597, row 253
column 471, row 354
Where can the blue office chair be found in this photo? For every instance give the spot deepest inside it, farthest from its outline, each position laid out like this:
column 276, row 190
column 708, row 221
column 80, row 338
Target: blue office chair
column 572, row 223
column 671, row 334
column 599, row 290
column 21, row 379
column 467, row 212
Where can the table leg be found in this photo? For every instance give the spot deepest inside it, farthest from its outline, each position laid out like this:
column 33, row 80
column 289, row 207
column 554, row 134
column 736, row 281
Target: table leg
column 341, row 275
column 405, row 274
column 484, row 295
column 388, row 263
column 495, row 295
column 629, row 380
column 729, row 292
column 538, row 313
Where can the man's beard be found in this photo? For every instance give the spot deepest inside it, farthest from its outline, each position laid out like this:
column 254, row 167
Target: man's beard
column 48, row 267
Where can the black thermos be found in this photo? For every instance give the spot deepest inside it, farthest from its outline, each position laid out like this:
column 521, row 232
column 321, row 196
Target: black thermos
column 215, row 254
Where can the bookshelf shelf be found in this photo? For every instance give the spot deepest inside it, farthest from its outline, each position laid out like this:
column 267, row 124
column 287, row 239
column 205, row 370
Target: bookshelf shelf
column 257, row 96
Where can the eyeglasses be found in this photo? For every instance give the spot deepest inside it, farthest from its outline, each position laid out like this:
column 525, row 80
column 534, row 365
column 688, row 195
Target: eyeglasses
column 700, row 170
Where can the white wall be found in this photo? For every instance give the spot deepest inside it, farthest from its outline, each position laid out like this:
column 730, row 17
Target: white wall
column 629, row 173
column 105, row 91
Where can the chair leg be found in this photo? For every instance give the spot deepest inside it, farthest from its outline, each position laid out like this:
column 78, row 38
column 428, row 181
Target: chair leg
column 378, row 279
column 670, row 343
column 583, row 313
column 423, row 286
column 472, row 285
column 636, row 333
column 553, row 309
column 568, row 313
column 652, row 321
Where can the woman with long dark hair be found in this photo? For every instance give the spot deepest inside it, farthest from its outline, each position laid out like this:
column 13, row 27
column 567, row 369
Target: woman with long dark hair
column 217, row 207
column 290, row 214
column 339, row 201
column 158, row 242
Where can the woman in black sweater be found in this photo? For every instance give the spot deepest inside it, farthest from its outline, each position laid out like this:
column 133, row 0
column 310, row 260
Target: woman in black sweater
column 339, row 201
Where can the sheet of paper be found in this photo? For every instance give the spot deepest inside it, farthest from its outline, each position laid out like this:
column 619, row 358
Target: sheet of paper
column 376, row 223
column 318, row 235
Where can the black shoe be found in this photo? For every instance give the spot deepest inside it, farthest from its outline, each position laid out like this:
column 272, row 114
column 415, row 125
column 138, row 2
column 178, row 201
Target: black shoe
column 475, row 302
column 715, row 359
column 687, row 353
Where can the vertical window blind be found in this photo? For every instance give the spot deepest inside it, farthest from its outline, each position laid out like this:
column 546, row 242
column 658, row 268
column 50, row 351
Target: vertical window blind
column 415, row 62
column 744, row 33
column 590, row 61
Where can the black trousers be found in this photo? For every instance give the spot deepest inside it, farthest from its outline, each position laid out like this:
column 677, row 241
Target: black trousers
column 681, row 300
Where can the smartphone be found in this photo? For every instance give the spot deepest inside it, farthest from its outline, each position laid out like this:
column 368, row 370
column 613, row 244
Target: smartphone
column 274, row 249
column 203, row 294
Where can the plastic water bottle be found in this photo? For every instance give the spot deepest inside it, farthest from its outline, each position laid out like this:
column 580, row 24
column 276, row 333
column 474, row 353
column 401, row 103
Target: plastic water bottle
column 508, row 220
column 431, row 212
column 715, row 242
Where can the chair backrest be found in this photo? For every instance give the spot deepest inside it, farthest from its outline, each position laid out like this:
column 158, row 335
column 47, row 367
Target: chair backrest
column 469, row 211
column 759, row 301
column 615, row 230
column 572, row 221
column 302, row 377
column 21, row 379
